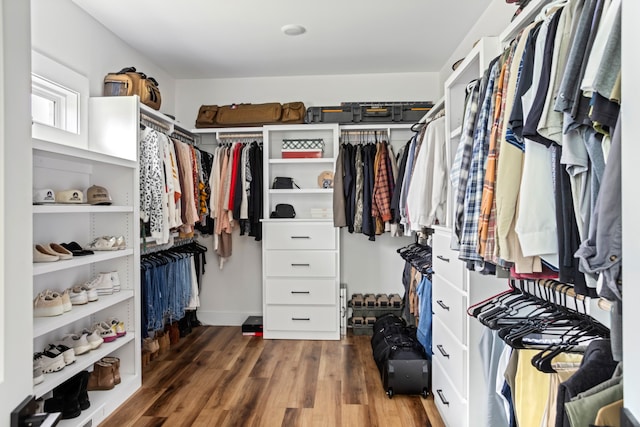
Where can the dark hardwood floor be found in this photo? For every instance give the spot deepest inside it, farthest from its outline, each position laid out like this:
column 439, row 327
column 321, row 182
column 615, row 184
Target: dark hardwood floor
column 215, row 376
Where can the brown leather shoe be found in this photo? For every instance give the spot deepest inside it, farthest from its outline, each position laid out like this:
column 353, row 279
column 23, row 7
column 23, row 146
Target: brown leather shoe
column 102, row 377
column 163, row 341
column 115, row 362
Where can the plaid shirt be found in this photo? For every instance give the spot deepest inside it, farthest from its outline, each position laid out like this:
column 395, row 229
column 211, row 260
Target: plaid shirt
column 460, row 167
column 473, row 194
column 381, row 206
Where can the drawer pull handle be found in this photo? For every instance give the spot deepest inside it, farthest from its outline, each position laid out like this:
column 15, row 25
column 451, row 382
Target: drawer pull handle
column 300, row 318
column 300, row 292
column 442, row 398
column 440, row 257
column 300, row 237
column 444, row 353
column 300, row 265
column 441, row 304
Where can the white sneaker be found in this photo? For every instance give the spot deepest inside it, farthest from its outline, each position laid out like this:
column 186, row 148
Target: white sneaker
column 47, row 305
column 93, row 337
column 78, row 296
column 78, row 343
column 115, row 281
column 64, row 297
column 107, row 332
column 68, row 355
column 102, row 284
column 50, row 362
column 117, row 326
column 90, row 289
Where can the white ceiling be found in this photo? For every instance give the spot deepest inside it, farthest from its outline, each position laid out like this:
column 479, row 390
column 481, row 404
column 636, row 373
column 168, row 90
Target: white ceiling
column 242, row 38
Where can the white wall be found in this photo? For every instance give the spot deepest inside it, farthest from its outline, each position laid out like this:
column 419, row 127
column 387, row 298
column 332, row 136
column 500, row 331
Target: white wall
column 78, row 41
column 15, row 186
column 312, row 90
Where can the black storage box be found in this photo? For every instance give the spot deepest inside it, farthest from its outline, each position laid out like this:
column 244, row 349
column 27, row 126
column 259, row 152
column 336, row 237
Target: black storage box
column 329, row 115
column 252, row 326
column 369, row 112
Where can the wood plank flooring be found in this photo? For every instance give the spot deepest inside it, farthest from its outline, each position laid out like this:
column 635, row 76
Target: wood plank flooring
column 215, row 376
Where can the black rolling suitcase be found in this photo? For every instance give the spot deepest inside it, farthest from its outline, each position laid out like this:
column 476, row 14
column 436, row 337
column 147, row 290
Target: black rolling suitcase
column 401, row 359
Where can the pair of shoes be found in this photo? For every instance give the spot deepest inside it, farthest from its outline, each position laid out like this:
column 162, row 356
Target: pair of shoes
column 164, row 342
column 105, row 283
column 49, row 362
column 78, row 342
column 48, row 304
column 105, row 374
column 83, row 294
column 76, row 249
column 68, row 354
column 151, row 346
column 71, row 397
column 107, row 243
column 38, row 373
column 50, row 253
column 173, row 330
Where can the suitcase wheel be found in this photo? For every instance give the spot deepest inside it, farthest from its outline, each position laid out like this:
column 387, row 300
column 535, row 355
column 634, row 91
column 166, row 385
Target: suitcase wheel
column 390, row 392
column 424, row 393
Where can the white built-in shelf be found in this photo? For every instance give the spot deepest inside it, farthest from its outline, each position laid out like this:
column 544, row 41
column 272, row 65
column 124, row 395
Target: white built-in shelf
column 297, row 161
column 58, row 209
column 314, row 220
column 303, row 191
column 82, row 362
column 375, row 126
column 44, row 325
column 52, row 149
column 98, row 256
column 241, row 130
column 455, row 133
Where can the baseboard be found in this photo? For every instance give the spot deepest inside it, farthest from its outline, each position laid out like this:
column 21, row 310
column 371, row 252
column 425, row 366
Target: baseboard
column 224, row 318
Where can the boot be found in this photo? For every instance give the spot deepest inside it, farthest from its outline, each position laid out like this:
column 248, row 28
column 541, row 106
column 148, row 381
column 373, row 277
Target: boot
column 151, row 346
column 194, row 319
column 163, row 341
column 65, row 398
column 185, row 325
column 115, row 362
column 83, row 397
column 174, row 333
column 102, row 377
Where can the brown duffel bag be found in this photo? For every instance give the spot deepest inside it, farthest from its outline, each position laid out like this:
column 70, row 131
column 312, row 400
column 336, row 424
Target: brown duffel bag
column 211, row 116
column 128, row 81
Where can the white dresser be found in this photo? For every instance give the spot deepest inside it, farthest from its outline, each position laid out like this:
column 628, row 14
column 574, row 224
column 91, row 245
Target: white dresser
column 457, row 377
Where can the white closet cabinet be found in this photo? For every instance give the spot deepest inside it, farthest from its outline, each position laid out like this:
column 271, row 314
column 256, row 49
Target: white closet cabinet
column 300, row 256
column 112, row 165
column 457, row 381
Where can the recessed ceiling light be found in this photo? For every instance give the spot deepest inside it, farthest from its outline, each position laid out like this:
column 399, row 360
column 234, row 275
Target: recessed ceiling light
column 293, row 29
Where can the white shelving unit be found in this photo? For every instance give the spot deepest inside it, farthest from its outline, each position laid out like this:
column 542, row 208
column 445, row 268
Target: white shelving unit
column 300, row 256
column 109, row 161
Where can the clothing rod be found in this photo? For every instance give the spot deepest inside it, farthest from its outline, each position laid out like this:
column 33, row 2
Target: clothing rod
column 365, row 132
column 240, row 135
column 148, row 119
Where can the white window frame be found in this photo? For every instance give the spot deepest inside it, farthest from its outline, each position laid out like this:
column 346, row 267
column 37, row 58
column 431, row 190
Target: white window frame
column 69, row 91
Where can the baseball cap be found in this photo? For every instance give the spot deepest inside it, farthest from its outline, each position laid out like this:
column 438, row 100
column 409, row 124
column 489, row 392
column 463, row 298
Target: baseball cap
column 70, row 196
column 97, row 195
column 44, row 195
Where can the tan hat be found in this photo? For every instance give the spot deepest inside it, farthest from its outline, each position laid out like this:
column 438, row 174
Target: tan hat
column 325, row 179
column 97, row 195
column 69, row 196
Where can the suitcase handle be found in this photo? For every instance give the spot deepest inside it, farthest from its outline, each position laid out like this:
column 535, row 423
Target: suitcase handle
column 300, row 237
column 300, row 265
column 440, row 257
column 300, row 318
column 442, row 398
column 300, row 292
column 441, row 304
column 444, row 353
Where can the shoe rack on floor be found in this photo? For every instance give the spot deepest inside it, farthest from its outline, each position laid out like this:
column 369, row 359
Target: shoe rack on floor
column 110, row 160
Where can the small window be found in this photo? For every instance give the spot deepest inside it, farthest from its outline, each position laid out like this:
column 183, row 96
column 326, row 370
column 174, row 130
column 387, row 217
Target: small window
column 54, row 105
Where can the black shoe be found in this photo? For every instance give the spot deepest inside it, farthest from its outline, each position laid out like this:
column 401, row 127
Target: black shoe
column 83, row 396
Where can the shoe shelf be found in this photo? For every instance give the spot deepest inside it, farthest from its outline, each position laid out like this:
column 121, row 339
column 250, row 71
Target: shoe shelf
column 82, row 362
column 58, row 209
column 44, row 325
column 98, row 256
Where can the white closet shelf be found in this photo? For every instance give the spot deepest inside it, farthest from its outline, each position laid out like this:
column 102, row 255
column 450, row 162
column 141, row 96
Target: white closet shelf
column 455, row 133
column 57, row 209
column 373, row 126
column 303, row 191
column 314, row 220
column 44, row 325
column 63, row 152
column 252, row 129
column 98, row 256
column 82, row 362
column 302, row 161
column 524, row 17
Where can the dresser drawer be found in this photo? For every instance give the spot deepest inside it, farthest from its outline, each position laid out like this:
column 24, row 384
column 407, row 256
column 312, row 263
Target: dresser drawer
column 299, row 236
column 290, row 318
column 445, row 261
column 451, row 356
column 452, row 407
column 301, row 291
column 450, row 305
column 300, row 264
